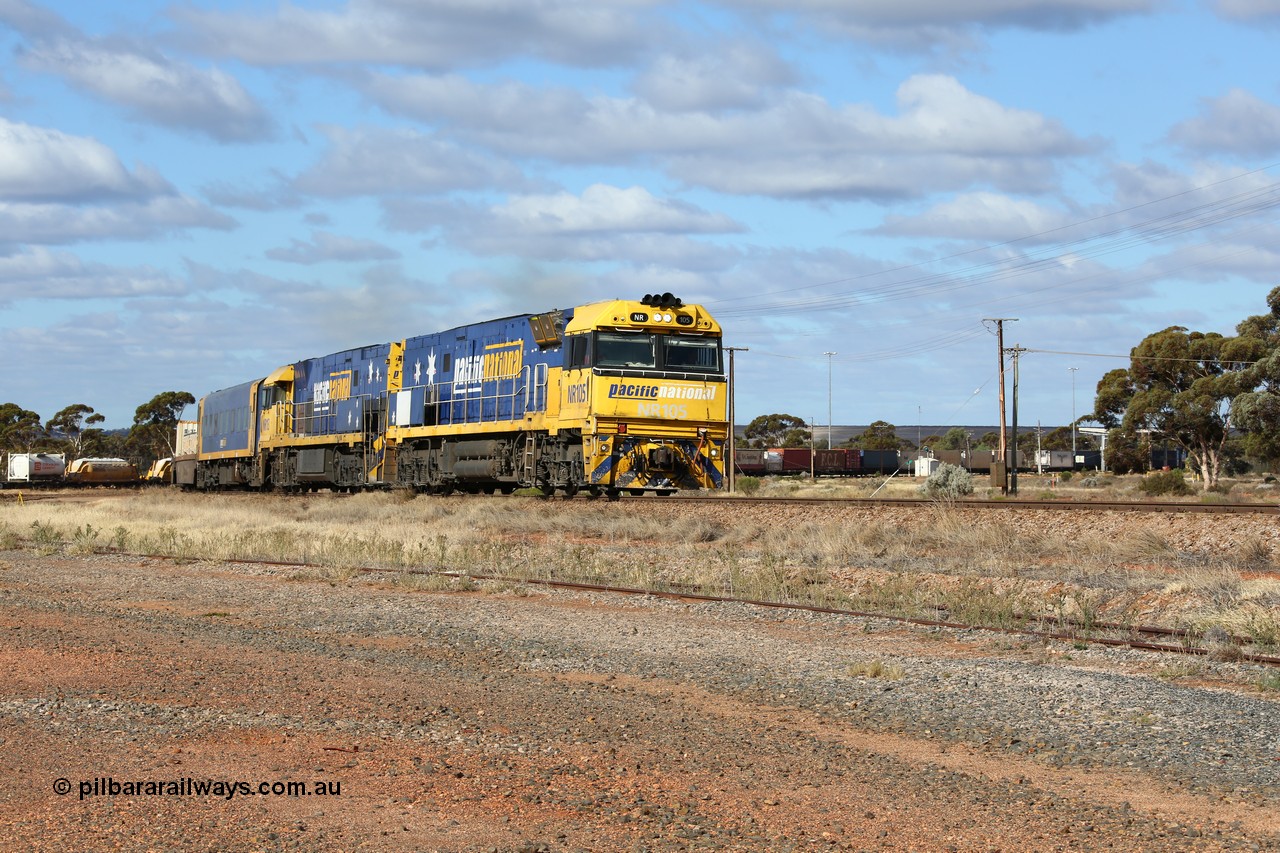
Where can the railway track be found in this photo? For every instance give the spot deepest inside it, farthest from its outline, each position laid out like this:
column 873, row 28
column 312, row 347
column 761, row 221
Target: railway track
column 719, row 497
column 1144, row 637
column 1018, row 503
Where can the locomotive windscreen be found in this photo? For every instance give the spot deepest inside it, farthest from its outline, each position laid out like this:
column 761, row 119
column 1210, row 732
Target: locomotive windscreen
column 625, row 349
column 699, row 354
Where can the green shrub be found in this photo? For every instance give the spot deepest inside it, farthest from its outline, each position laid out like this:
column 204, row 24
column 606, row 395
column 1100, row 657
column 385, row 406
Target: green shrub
column 1164, row 483
column 748, row 485
column 948, row 483
column 47, row 538
column 1065, row 477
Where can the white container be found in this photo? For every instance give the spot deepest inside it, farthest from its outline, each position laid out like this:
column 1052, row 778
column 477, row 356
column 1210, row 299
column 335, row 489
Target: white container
column 926, row 466
column 33, row 467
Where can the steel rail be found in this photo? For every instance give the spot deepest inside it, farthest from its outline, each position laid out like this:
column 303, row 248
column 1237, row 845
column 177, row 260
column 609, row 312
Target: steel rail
column 864, row 614
column 980, row 503
column 722, row 500
column 1081, row 632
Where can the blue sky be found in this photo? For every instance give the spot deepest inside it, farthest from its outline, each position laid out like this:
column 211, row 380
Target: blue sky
column 192, row 194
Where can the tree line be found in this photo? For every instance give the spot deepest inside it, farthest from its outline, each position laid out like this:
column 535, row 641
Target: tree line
column 779, row 430
column 75, row 431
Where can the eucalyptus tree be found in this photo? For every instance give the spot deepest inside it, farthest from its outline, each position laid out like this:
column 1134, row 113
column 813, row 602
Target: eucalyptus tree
column 1256, row 411
column 70, row 423
column 777, row 430
column 19, row 428
column 155, row 423
column 1182, row 384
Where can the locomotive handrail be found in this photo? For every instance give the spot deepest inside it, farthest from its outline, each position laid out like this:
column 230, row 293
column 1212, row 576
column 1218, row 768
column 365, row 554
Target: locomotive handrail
column 326, row 422
column 457, row 408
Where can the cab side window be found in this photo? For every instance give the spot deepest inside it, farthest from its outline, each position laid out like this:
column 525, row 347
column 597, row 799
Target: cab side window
column 579, row 352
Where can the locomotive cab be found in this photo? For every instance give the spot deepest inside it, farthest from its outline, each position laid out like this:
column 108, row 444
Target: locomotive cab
column 645, row 382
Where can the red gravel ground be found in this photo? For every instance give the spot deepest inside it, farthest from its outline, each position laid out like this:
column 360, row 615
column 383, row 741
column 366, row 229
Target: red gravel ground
column 138, row 670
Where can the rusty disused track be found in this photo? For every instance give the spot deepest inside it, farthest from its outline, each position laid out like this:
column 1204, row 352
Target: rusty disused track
column 1005, row 504
column 1075, row 632
column 720, row 499
column 1066, row 630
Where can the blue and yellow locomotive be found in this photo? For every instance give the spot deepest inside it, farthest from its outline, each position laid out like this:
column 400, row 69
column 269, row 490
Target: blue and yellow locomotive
column 605, row 398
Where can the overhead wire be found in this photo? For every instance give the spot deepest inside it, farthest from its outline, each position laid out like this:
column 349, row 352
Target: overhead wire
column 1121, row 238
column 1116, row 240
column 1023, row 238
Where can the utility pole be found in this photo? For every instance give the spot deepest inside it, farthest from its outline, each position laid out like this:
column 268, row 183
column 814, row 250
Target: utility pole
column 829, row 355
column 1000, row 321
column 1015, row 351
column 1073, row 415
column 733, row 440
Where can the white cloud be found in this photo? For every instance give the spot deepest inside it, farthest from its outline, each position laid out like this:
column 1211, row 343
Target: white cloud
column 798, row 144
column 1029, row 14
column 31, row 19
column 939, row 26
column 155, row 88
column 430, row 34
column 37, row 273
column 57, row 223
column 1236, row 123
column 1264, row 11
column 373, row 161
column 737, row 77
column 605, row 223
column 605, row 208
column 984, row 216
column 42, row 164
column 325, row 247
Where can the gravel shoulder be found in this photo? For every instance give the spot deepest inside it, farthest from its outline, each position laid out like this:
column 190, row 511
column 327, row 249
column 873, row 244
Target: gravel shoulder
column 524, row 719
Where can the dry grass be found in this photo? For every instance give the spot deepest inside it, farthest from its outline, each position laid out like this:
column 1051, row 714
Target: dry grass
column 969, row 566
column 876, row 669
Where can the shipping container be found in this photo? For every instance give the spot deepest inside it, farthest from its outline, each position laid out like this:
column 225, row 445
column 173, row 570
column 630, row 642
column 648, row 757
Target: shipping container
column 788, row 460
column 36, row 467
column 880, row 461
column 749, row 461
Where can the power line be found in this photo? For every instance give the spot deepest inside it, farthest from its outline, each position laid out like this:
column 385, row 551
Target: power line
column 1158, row 228
column 1131, row 357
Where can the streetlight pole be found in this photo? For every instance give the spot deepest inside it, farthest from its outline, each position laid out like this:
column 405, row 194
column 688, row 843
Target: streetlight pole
column 829, row 356
column 1073, row 415
column 1016, row 350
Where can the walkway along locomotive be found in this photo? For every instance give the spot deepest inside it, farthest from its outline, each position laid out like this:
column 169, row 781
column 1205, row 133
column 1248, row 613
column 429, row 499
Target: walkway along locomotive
column 608, row 397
